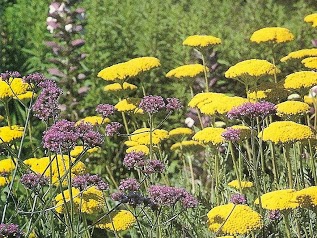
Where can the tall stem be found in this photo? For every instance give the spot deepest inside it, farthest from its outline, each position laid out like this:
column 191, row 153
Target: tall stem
column 286, row 150
column 205, row 72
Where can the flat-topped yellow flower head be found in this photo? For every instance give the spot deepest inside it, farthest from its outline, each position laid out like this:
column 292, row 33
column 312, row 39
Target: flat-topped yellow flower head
column 142, row 136
column 291, row 108
column 233, row 219
column 117, row 87
column 119, row 221
column 310, row 62
column 186, row 71
column 94, row 120
column 311, row 18
column 202, row 98
column 286, row 132
column 201, row 41
column 210, row 135
column 13, row 87
column 299, row 54
column 242, row 184
column 8, row 134
column 6, row 166
column 272, row 34
column 301, row 80
column 268, row 91
column 307, row 197
column 127, row 105
column 188, row 146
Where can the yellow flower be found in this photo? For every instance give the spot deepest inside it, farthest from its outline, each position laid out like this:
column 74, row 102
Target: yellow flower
column 186, row 71
column 292, row 108
column 201, row 41
column 25, row 96
column 59, row 167
column 301, row 80
column 310, row 62
column 202, row 98
column 307, row 197
column 278, row 200
column 90, row 201
column 299, row 54
column 115, row 87
column 210, row 135
column 130, row 143
column 268, row 91
column 221, row 105
column 234, row 219
column 286, row 132
column 272, row 34
column 248, row 71
column 79, row 149
column 311, row 18
column 139, row 148
column 3, row 181
column 131, row 68
column 8, row 134
column 94, row 120
column 180, row 131
column 244, row 184
column 6, row 166
column 309, row 100
column 117, row 221
column 188, row 146
column 126, row 105
column 142, row 136
column 15, row 87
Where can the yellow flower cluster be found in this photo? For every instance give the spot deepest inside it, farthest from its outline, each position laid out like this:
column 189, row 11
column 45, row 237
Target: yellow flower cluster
column 244, row 184
column 301, row 80
column 251, row 68
column 234, row 219
column 6, row 165
column 272, row 34
column 59, row 167
column 138, row 148
column 203, row 98
column 90, row 201
column 268, row 91
column 210, row 135
column 311, row 18
column 186, row 71
column 8, row 134
column 94, row 120
column 278, row 200
column 14, row 87
column 3, row 181
column 221, row 105
column 307, row 197
column 142, row 136
column 131, row 68
column 79, row 149
column 201, row 41
column 310, row 62
column 188, row 146
column 299, row 54
column 127, row 105
column 180, row 131
column 118, row 221
column 115, row 87
column 290, row 108
column 286, row 132
column 25, row 96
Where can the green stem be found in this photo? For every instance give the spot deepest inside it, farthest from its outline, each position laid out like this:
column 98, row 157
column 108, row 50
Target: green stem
column 125, row 123
column 286, row 150
column 191, row 173
column 287, row 225
column 236, row 170
column 151, row 135
column 7, row 112
column 205, row 72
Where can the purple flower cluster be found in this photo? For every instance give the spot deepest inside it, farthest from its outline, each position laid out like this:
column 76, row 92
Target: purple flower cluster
column 152, row 104
column 63, row 136
column 168, row 196
column 10, row 230
column 238, row 198
column 133, row 199
column 9, row 74
column 113, row 128
column 129, row 184
column 134, row 159
column 153, row 166
column 231, row 134
column 46, row 105
column 274, row 215
column 32, row 180
column 34, row 79
column 105, row 109
column 252, row 110
column 173, row 104
column 82, row 182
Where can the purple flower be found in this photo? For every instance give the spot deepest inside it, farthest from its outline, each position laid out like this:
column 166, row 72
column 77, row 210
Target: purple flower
column 251, row 110
column 152, row 104
column 231, row 134
column 132, row 198
column 238, row 198
column 154, row 166
column 10, row 230
column 9, row 74
column 46, row 105
column 168, row 196
column 129, row 184
column 133, row 159
column 112, row 128
column 35, row 79
column 84, row 181
column 105, row 109
column 173, row 104
column 32, row 180
column 61, row 137
column 89, row 135
column 274, row 215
